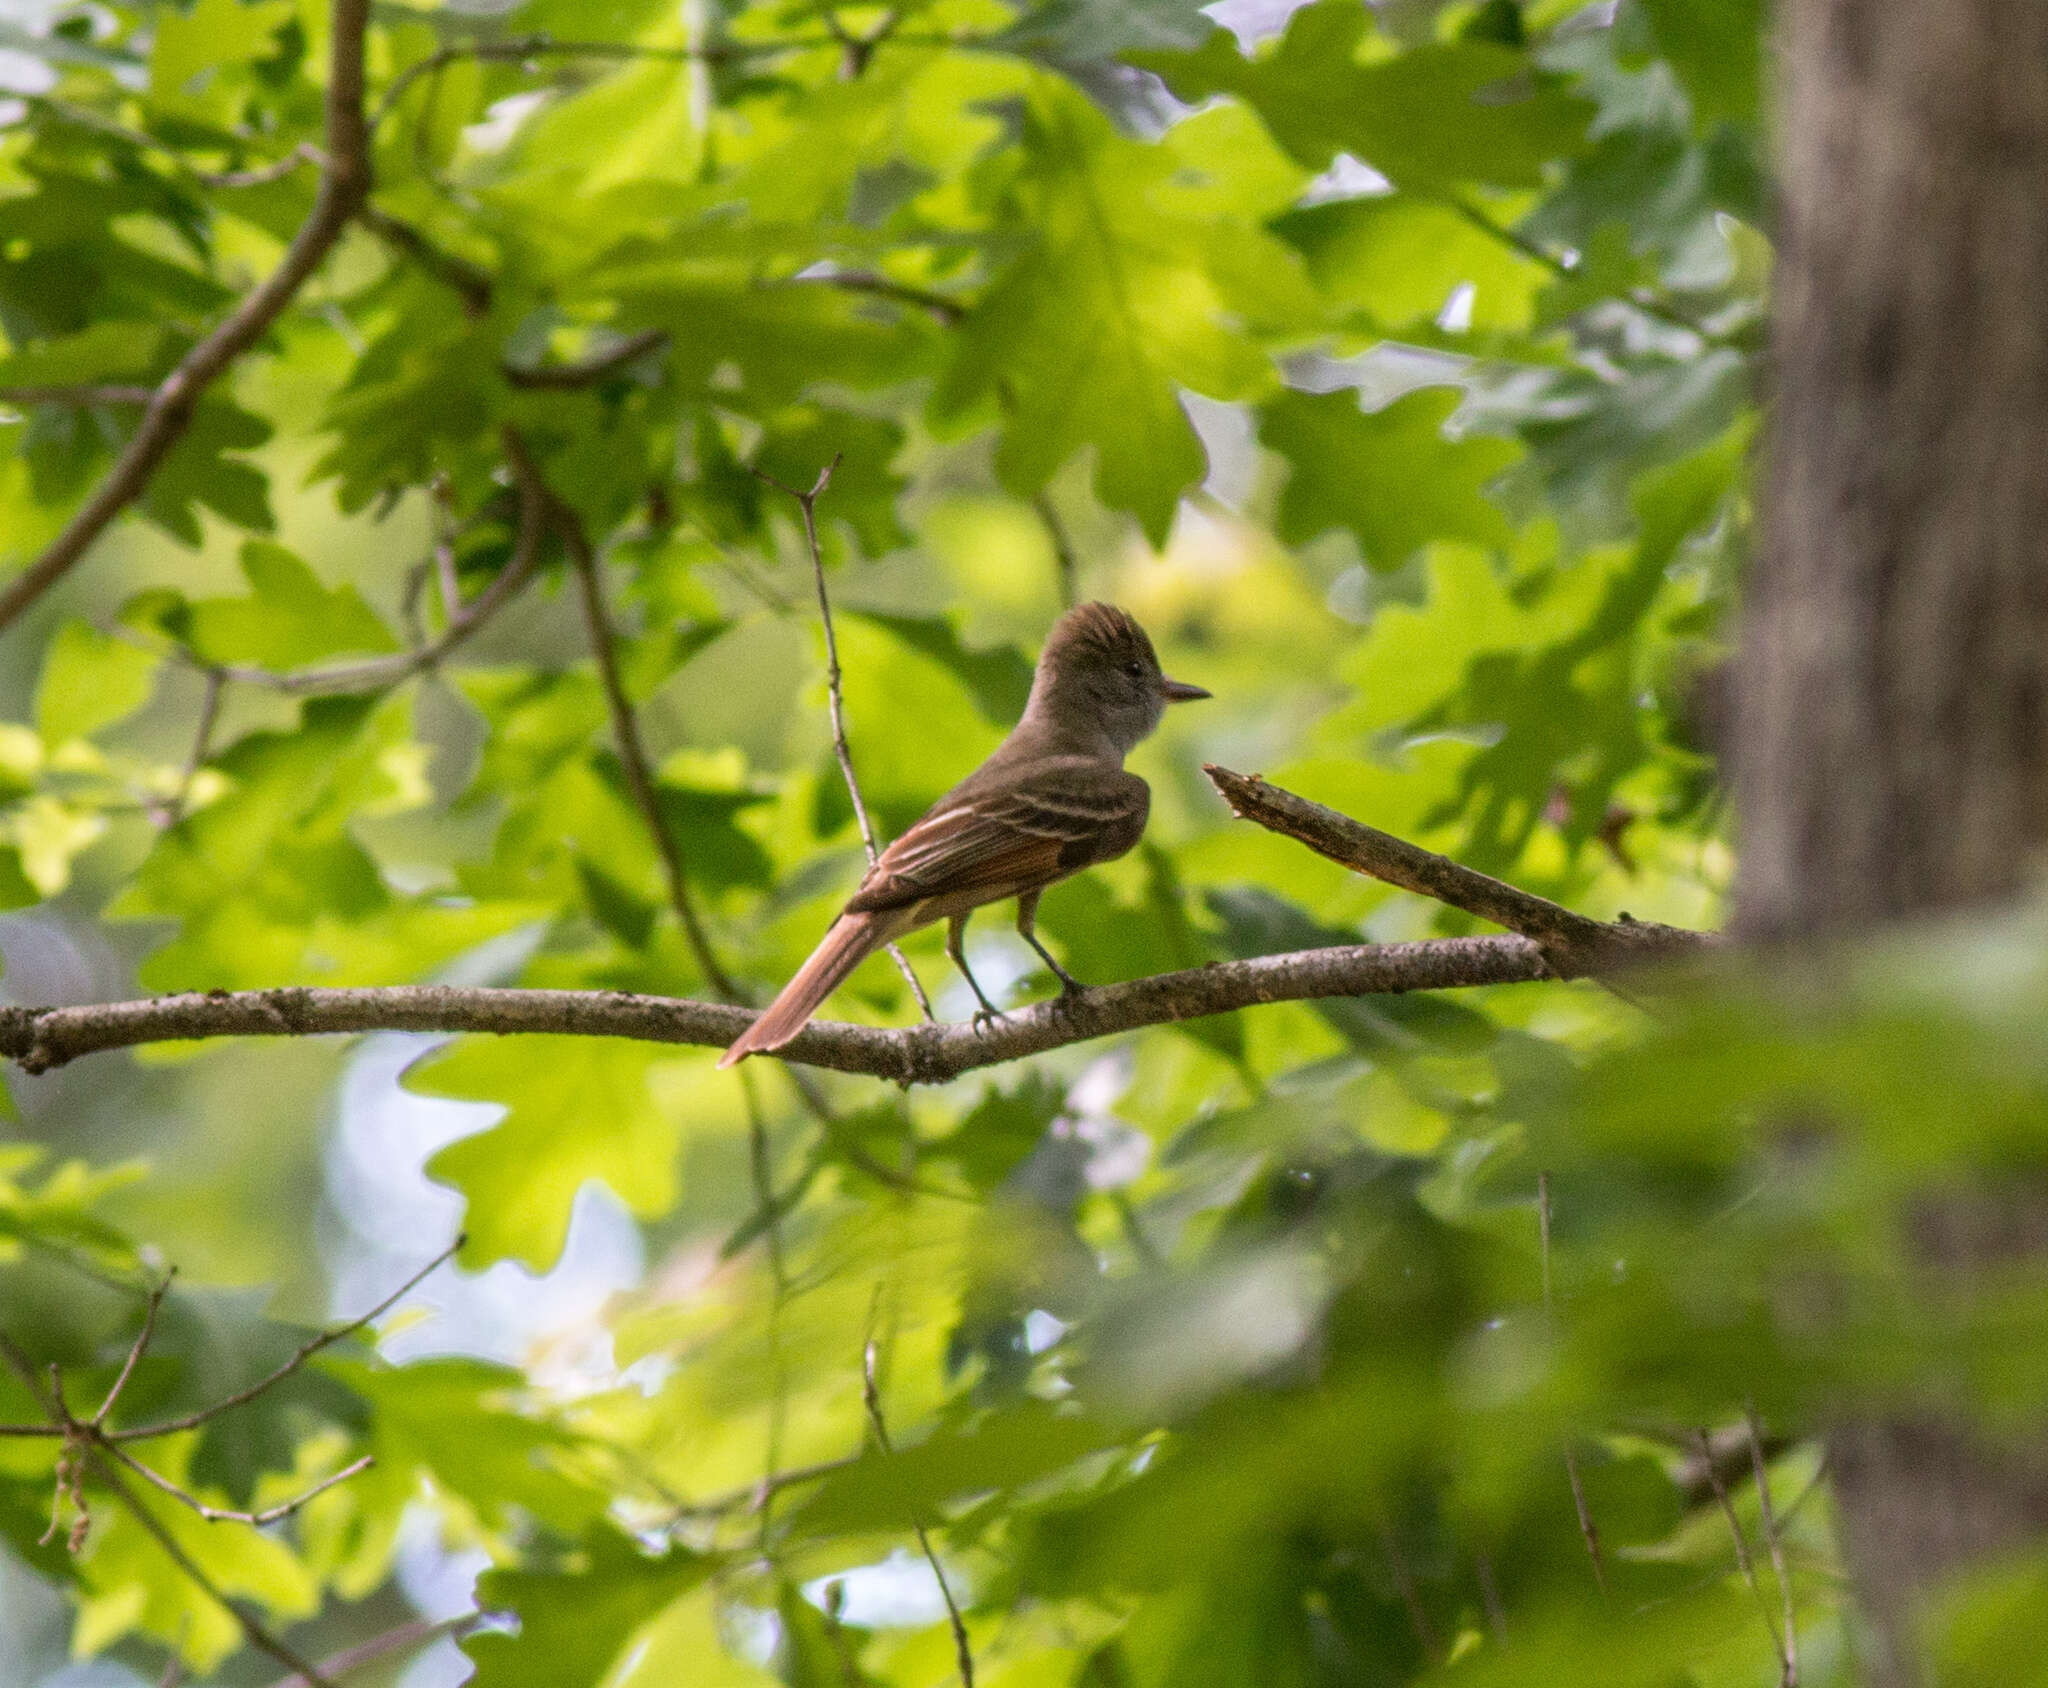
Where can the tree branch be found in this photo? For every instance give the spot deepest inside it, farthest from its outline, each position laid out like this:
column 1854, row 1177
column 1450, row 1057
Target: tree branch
column 344, row 186
column 835, row 699
column 258, row 1634
column 39, row 1039
column 1576, row 945
column 304, row 1352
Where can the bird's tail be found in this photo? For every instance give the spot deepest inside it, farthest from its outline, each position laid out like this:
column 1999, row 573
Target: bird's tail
column 851, row 940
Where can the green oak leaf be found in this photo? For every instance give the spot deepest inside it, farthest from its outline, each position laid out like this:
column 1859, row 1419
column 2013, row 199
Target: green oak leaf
column 576, row 1109
column 289, row 620
column 1437, row 116
column 1122, row 297
column 1389, row 477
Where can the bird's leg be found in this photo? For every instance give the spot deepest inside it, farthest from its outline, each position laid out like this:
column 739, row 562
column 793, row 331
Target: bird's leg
column 1027, row 929
column 956, row 933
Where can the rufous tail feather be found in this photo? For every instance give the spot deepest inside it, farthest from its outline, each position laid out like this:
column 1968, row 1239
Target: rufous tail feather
column 851, row 940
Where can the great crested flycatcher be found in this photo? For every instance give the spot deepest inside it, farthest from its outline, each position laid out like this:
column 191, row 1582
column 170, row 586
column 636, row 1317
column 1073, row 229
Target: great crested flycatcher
column 1051, row 799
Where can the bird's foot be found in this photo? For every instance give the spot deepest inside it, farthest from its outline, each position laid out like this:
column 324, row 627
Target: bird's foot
column 987, row 1015
column 1069, row 985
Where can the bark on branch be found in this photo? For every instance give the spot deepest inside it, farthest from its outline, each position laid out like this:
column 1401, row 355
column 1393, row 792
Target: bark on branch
column 344, row 187
column 41, row 1038
column 1552, row 943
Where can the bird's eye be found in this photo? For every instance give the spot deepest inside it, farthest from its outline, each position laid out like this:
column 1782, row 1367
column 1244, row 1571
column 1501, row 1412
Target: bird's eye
column 1136, row 670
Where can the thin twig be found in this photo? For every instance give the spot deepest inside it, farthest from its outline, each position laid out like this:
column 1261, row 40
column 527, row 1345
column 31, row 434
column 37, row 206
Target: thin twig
column 1065, row 559
column 151, row 1302
column 871, row 1395
column 202, row 744
column 305, row 1351
column 633, row 754
column 1587, row 1530
column 1774, row 1540
column 586, row 372
column 835, row 700
column 258, row 1634
column 229, row 1514
column 1743, row 1563
column 344, row 185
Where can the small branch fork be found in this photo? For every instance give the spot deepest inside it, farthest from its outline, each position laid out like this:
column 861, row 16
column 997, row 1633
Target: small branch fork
column 90, row 1447
column 344, row 188
column 41, row 1038
column 835, row 696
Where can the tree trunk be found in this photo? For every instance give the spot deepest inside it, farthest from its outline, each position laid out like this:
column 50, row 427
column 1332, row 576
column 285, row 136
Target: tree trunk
column 1891, row 739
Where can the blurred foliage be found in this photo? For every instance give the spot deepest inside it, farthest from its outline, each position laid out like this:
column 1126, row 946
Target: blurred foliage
column 1396, row 368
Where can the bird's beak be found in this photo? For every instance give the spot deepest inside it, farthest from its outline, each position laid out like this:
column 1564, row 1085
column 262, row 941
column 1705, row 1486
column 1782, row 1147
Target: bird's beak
column 1179, row 691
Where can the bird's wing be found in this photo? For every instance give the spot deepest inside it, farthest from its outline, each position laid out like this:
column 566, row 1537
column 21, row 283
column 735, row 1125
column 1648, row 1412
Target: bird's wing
column 1010, row 834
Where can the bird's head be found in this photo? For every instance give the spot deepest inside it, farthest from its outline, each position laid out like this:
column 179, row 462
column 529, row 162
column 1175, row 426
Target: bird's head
column 1098, row 673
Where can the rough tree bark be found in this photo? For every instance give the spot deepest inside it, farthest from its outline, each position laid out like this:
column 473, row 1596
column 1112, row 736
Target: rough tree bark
column 1891, row 739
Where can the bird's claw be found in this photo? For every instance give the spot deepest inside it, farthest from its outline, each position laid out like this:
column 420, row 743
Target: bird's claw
column 986, row 1016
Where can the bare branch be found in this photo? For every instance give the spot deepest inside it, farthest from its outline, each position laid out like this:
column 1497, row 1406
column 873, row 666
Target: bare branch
column 304, row 1352
column 1587, row 1530
column 871, row 1396
column 586, row 372
column 79, row 396
column 835, row 698
column 232, row 1515
column 42, row 1038
column 1577, row 945
column 344, row 185
column 633, row 754
column 258, row 1634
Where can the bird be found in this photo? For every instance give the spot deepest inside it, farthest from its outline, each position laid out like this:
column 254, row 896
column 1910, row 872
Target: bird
column 1053, row 798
